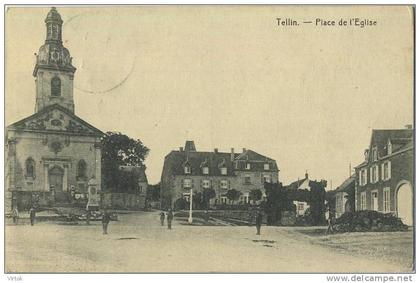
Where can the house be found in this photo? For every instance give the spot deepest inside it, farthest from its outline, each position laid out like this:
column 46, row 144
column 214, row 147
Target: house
column 140, row 173
column 300, row 192
column 52, row 152
column 187, row 168
column 300, row 185
column 385, row 179
column 344, row 196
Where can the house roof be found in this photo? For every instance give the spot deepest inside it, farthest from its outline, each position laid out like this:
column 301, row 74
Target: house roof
column 176, row 160
column 39, row 122
column 398, row 138
column 347, row 185
column 139, row 170
column 295, row 185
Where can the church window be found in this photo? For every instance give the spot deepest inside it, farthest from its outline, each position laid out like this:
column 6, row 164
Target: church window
column 55, row 86
column 81, row 169
column 30, row 168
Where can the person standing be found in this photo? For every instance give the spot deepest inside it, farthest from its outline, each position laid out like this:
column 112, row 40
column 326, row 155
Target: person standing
column 32, row 215
column 258, row 221
column 15, row 215
column 170, row 216
column 331, row 221
column 105, row 221
column 162, row 218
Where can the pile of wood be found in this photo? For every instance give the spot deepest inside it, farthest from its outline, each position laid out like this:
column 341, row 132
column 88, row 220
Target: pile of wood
column 368, row 221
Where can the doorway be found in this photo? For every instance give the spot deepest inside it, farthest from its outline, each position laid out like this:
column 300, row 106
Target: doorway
column 374, row 201
column 405, row 204
column 55, row 178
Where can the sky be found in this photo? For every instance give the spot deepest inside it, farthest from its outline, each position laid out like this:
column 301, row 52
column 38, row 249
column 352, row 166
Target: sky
column 307, row 96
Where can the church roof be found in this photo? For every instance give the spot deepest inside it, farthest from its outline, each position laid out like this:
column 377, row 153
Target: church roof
column 55, row 118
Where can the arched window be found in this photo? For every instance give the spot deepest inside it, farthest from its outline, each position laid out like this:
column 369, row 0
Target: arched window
column 55, row 86
column 81, row 169
column 30, row 168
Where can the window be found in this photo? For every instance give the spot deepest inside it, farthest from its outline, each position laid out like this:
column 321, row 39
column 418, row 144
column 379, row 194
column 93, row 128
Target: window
column 55, row 86
column 266, row 166
column 374, row 201
column 206, row 170
column 301, row 206
column 81, row 169
column 267, row 179
column 387, row 200
column 30, row 168
column 339, row 203
column 223, row 171
column 374, row 174
column 187, row 169
column 374, row 154
column 363, row 201
column 248, row 166
column 187, row 183
column 223, row 184
column 247, row 180
column 206, row 184
column 386, row 170
column 363, row 177
column 223, row 200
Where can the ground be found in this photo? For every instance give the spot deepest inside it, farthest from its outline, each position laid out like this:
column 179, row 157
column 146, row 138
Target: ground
column 137, row 243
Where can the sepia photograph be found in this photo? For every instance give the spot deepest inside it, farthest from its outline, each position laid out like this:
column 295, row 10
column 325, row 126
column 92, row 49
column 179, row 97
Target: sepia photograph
column 209, row 139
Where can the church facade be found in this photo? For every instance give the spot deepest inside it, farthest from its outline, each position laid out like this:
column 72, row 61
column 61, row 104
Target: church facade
column 52, row 154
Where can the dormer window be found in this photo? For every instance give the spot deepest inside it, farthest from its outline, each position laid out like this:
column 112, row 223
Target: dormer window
column 205, row 170
column 187, row 169
column 223, row 171
column 266, row 166
column 389, row 148
column 374, row 154
column 248, row 166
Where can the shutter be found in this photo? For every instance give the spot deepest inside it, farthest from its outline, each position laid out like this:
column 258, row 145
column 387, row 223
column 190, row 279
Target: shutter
column 389, row 169
column 228, row 184
column 370, row 174
column 182, row 183
column 360, row 177
column 192, row 183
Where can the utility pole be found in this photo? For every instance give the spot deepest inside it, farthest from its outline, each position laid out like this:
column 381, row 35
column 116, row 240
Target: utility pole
column 190, row 219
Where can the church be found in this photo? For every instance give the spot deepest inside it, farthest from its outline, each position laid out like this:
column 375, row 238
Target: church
column 52, row 154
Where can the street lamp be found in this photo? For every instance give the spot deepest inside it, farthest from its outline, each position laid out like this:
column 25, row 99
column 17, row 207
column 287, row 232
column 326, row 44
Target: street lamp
column 190, row 219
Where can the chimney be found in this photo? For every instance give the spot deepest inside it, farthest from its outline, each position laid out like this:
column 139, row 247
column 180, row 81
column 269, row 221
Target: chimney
column 216, row 150
column 181, row 149
column 366, row 154
column 306, row 175
column 243, row 150
column 189, row 146
column 409, row 127
column 232, row 154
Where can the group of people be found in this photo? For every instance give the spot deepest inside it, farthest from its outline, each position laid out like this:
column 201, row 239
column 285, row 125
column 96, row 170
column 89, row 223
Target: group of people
column 15, row 215
column 169, row 218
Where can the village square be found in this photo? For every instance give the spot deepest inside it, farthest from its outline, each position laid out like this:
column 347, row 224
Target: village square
column 79, row 198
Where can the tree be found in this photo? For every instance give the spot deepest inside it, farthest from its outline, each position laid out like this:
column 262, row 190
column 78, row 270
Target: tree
column 117, row 150
column 255, row 195
column 232, row 195
column 208, row 194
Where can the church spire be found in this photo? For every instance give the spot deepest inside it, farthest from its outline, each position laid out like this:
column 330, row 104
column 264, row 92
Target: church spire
column 54, row 70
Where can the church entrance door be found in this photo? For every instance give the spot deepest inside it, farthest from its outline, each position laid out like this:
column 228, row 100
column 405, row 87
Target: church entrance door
column 56, row 182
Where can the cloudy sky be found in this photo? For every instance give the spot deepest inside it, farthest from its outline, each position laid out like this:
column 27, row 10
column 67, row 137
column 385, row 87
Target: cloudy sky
column 307, row 96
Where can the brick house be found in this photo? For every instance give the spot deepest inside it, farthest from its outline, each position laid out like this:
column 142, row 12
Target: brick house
column 188, row 168
column 384, row 181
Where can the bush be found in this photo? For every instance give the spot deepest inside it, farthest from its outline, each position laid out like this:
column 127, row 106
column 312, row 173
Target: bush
column 368, row 220
column 181, row 204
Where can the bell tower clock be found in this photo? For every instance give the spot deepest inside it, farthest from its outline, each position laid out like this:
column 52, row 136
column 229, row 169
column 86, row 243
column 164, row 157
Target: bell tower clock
column 54, row 71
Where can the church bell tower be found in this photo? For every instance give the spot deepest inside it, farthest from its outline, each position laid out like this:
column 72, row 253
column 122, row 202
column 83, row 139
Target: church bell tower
column 54, row 71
